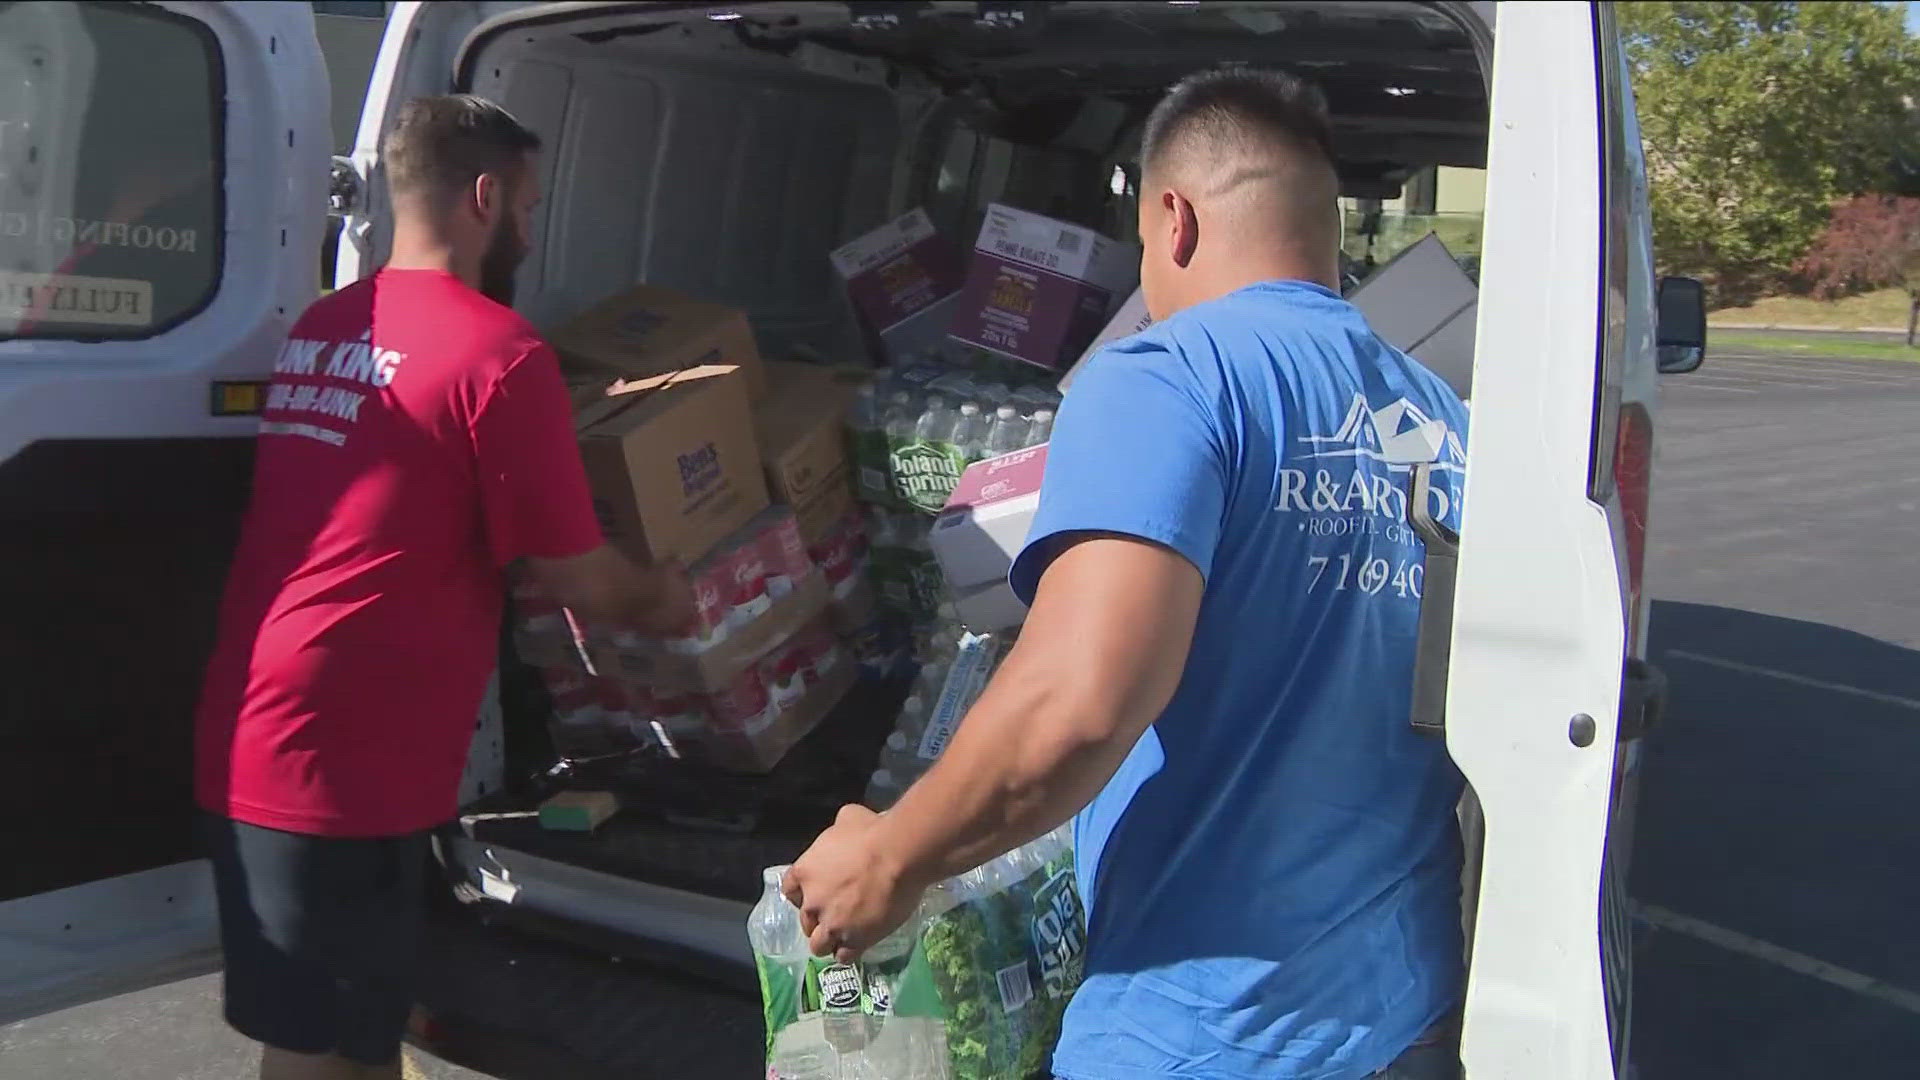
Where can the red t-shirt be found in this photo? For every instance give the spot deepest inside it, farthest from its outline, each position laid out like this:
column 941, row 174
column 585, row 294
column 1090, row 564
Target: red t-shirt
column 416, row 439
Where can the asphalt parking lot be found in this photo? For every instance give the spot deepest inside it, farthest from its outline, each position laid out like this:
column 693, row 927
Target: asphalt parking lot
column 1778, row 857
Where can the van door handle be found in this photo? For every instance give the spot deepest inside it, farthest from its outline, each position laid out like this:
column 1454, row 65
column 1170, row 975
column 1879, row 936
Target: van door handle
column 1433, row 646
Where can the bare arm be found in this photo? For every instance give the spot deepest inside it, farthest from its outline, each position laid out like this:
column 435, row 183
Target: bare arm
column 1099, row 658
column 605, row 587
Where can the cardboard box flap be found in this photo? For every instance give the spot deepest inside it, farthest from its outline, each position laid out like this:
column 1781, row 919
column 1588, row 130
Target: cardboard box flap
column 645, row 330
column 629, row 403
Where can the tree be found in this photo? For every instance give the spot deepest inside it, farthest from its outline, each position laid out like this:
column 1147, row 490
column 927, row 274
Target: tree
column 1870, row 242
column 1756, row 117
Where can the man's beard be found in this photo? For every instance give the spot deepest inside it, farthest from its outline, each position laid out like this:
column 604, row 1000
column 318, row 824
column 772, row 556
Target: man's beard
column 498, row 265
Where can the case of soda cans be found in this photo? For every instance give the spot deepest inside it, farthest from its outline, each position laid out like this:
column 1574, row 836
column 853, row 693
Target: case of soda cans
column 758, row 669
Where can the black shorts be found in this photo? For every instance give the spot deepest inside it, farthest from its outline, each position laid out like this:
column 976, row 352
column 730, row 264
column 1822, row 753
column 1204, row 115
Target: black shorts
column 321, row 936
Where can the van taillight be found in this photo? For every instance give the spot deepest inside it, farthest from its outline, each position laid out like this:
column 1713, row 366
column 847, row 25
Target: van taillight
column 1632, row 475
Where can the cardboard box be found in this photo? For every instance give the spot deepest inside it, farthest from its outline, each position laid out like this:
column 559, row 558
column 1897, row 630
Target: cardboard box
column 801, row 428
column 988, row 609
column 717, row 667
column 1424, row 304
column 765, row 748
column 647, row 331
column 902, row 280
column 672, row 462
column 1037, row 289
column 1129, row 320
column 986, row 520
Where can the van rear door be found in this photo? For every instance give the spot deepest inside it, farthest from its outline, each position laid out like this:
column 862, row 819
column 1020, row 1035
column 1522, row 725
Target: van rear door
column 162, row 185
column 1546, row 601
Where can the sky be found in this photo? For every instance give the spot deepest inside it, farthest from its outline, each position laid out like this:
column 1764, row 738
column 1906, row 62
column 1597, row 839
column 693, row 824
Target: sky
column 1913, row 17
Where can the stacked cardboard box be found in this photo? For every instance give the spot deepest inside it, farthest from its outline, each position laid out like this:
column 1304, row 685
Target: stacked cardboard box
column 753, row 498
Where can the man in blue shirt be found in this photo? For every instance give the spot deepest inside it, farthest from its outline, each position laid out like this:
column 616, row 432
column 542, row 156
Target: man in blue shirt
column 1216, row 669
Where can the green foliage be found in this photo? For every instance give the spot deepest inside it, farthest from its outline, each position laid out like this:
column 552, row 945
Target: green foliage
column 1756, row 117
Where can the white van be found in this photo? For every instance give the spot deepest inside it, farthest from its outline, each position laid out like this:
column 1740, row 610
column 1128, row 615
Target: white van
column 162, row 171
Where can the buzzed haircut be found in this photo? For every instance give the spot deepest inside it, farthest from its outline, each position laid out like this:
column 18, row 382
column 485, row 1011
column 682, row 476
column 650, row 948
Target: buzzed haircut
column 1219, row 115
column 440, row 144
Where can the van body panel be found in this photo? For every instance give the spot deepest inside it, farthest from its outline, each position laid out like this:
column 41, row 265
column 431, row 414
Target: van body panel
column 1540, row 628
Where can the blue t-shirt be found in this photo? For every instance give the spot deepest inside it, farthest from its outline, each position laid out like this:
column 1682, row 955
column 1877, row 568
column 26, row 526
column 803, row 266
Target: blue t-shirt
column 1273, row 876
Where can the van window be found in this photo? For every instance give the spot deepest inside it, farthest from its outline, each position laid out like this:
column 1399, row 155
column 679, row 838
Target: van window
column 110, row 170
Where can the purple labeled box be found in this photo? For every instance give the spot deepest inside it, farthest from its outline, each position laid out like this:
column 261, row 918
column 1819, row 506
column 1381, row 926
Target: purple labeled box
column 901, row 279
column 1038, row 289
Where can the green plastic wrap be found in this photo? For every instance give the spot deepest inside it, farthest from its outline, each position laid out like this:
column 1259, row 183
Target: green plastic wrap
column 972, row 989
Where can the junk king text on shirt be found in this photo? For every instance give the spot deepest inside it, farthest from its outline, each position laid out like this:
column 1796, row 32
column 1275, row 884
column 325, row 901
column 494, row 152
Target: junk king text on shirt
column 355, row 361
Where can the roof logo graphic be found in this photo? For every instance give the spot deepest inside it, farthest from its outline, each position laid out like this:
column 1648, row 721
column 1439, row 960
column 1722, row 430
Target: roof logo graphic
column 1400, row 435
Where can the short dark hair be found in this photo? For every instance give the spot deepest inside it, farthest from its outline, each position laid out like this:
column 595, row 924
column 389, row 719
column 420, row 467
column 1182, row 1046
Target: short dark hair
column 1222, row 106
column 444, row 143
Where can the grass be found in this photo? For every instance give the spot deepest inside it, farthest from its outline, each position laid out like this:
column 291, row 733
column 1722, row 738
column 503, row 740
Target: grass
column 1812, row 347
column 1885, row 309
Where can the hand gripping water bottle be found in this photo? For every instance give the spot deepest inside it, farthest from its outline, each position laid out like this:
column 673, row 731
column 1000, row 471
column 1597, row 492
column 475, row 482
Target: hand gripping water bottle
column 800, row 1050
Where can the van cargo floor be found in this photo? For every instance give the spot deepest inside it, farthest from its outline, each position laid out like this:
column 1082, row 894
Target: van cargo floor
column 689, row 827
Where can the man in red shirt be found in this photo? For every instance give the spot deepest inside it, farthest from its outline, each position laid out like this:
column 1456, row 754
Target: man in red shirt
column 417, row 440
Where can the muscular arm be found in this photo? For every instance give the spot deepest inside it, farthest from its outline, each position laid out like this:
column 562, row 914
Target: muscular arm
column 1100, row 656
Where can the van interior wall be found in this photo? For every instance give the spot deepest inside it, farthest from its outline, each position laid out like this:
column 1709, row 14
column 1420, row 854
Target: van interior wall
column 726, row 176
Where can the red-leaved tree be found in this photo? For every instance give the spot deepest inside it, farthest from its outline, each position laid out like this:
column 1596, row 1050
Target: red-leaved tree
column 1871, row 242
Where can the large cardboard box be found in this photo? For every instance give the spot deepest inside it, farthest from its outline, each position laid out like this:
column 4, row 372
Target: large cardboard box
column 672, row 462
column 1038, row 289
column 1425, row 305
column 986, row 520
column 801, row 428
column 902, row 280
column 647, row 331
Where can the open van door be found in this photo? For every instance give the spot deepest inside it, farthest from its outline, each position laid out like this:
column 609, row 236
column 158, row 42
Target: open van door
column 162, row 185
column 1546, row 695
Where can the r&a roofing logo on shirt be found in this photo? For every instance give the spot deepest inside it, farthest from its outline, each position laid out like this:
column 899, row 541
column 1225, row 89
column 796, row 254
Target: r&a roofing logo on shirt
column 1379, row 447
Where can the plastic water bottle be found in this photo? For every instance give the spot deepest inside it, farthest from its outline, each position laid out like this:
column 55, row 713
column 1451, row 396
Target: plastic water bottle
column 970, row 431
column 935, row 425
column 1007, row 432
column 913, row 718
column 890, row 1054
column 867, row 419
column 1042, row 428
column 800, row 1051
column 900, row 418
column 884, row 789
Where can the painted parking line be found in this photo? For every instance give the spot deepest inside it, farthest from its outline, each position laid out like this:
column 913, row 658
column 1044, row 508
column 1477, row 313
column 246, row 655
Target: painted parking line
column 1695, row 382
column 1797, row 680
column 1799, row 963
column 1890, row 371
column 1802, row 374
